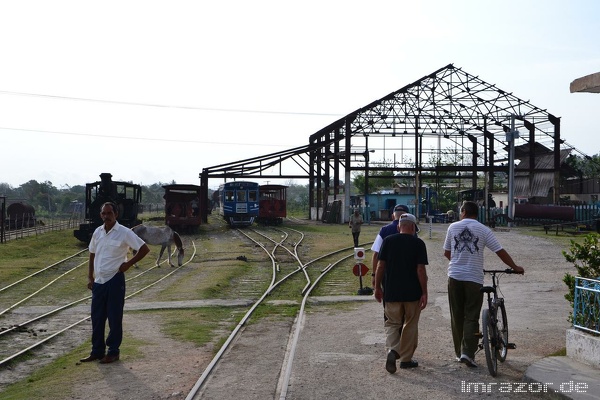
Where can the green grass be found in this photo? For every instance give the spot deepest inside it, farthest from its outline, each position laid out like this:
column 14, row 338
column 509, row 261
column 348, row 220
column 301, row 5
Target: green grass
column 55, row 380
column 23, row 255
column 199, row 325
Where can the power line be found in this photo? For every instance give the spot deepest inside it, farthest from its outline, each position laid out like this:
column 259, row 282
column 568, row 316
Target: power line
column 236, row 110
column 141, row 138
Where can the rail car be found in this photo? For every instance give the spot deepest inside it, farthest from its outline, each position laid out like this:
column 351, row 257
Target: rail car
column 182, row 207
column 272, row 204
column 19, row 215
column 238, row 202
column 127, row 196
column 540, row 212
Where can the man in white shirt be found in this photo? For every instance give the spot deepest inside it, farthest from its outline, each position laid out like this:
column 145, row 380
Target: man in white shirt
column 106, row 279
column 465, row 242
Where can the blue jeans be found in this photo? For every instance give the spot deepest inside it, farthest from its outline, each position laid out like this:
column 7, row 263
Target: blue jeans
column 108, row 300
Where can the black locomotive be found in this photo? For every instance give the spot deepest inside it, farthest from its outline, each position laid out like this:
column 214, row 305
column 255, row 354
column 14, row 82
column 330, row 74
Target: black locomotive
column 126, row 195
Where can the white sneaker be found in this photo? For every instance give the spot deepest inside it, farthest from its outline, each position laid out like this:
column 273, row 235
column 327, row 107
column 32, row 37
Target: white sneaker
column 465, row 359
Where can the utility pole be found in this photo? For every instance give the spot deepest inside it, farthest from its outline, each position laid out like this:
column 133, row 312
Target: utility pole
column 510, row 138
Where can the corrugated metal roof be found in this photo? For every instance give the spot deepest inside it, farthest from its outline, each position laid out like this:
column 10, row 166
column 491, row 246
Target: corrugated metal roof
column 540, row 182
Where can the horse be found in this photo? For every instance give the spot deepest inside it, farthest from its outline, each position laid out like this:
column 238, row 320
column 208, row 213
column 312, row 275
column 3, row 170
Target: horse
column 164, row 236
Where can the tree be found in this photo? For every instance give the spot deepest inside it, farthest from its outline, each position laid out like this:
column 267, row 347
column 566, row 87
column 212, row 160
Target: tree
column 297, row 198
column 6, row 189
column 377, row 180
column 589, row 167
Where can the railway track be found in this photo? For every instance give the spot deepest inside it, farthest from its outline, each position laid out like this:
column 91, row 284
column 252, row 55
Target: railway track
column 35, row 309
column 284, row 281
column 281, row 248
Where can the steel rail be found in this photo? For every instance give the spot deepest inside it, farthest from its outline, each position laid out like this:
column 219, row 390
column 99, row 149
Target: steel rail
column 287, row 370
column 42, row 270
column 209, row 369
column 39, row 343
column 42, row 288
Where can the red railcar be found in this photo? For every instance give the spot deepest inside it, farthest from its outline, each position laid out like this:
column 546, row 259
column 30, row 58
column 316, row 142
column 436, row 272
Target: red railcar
column 272, row 204
column 182, row 207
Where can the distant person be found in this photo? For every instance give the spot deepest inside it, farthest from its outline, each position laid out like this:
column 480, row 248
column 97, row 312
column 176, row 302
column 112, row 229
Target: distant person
column 450, row 214
column 195, row 207
column 356, row 220
column 465, row 241
column 106, row 279
column 401, row 282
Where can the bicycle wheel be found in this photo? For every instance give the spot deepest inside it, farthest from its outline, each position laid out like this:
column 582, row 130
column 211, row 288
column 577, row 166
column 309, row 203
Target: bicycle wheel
column 489, row 341
column 502, row 342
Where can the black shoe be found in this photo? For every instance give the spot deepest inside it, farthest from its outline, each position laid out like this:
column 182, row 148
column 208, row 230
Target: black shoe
column 409, row 364
column 390, row 362
column 109, row 359
column 92, row 357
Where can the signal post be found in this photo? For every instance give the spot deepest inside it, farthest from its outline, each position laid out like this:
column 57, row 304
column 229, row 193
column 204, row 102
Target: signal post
column 361, row 270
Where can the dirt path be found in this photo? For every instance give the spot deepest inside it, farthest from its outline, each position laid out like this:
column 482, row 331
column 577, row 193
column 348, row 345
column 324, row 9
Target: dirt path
column 342, row 355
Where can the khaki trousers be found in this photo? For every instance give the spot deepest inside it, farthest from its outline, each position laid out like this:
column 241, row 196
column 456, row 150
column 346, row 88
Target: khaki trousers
column 402, row 337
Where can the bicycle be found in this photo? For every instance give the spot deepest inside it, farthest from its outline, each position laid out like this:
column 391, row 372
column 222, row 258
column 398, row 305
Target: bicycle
column 494, row 324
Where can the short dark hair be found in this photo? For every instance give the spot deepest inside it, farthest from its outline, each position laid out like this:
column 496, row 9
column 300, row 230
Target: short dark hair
column 112, row 205
column 470, row 208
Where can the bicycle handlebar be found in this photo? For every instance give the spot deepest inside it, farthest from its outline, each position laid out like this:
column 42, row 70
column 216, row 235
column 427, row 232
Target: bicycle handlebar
column 499, row 271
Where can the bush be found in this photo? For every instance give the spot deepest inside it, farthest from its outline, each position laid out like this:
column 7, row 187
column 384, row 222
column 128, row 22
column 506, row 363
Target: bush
column 586, row 260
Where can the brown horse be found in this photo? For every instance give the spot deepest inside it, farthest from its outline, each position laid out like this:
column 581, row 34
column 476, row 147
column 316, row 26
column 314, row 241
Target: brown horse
column 164, row 236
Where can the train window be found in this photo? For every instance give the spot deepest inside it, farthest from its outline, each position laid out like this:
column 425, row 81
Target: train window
column 252, row 195
column 241, row 195
column 229, row 195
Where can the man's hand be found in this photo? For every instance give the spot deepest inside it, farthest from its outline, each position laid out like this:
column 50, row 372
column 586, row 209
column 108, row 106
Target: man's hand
column 423, row 301
column 378, row 294
column 518, row 270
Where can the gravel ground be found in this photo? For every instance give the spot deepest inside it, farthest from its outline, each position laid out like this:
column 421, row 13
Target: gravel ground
column 342, row 355
column 341, row 352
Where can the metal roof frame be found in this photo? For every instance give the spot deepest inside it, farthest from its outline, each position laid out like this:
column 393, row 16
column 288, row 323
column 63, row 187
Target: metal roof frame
column 410, row 130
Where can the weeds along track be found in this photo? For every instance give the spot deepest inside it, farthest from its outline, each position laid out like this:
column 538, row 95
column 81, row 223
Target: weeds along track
column 51, row 301
column 291, row 281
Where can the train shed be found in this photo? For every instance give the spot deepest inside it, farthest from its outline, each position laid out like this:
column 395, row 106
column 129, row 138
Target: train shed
column 449, row 125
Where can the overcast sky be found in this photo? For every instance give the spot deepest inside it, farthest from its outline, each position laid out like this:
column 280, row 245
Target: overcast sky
column 155, row 91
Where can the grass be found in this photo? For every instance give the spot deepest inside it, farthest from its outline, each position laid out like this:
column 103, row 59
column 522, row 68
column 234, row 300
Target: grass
column 55, row 380
column 199, row 325
column 26, row 255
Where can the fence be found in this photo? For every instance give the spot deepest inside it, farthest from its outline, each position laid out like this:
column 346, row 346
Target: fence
column 586, row 309
column 48, row 224
column 586, row 214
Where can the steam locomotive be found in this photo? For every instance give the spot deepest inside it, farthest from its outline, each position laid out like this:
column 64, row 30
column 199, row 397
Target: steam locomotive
column 127, row 197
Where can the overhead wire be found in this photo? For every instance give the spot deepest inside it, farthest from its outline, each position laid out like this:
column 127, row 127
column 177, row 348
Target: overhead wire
column 131, row 103
column 140, row 138
column 166, row 106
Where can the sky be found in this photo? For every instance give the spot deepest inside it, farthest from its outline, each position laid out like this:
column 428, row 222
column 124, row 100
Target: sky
column 155, row 91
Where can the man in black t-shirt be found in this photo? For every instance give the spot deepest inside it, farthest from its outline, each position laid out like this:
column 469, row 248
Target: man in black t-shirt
column 401, row 270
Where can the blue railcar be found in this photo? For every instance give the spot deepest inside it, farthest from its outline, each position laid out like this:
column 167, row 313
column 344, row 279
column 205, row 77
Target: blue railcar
column 238, row 202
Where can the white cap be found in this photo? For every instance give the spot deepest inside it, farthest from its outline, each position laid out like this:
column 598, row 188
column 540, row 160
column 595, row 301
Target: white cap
column 409, row 217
